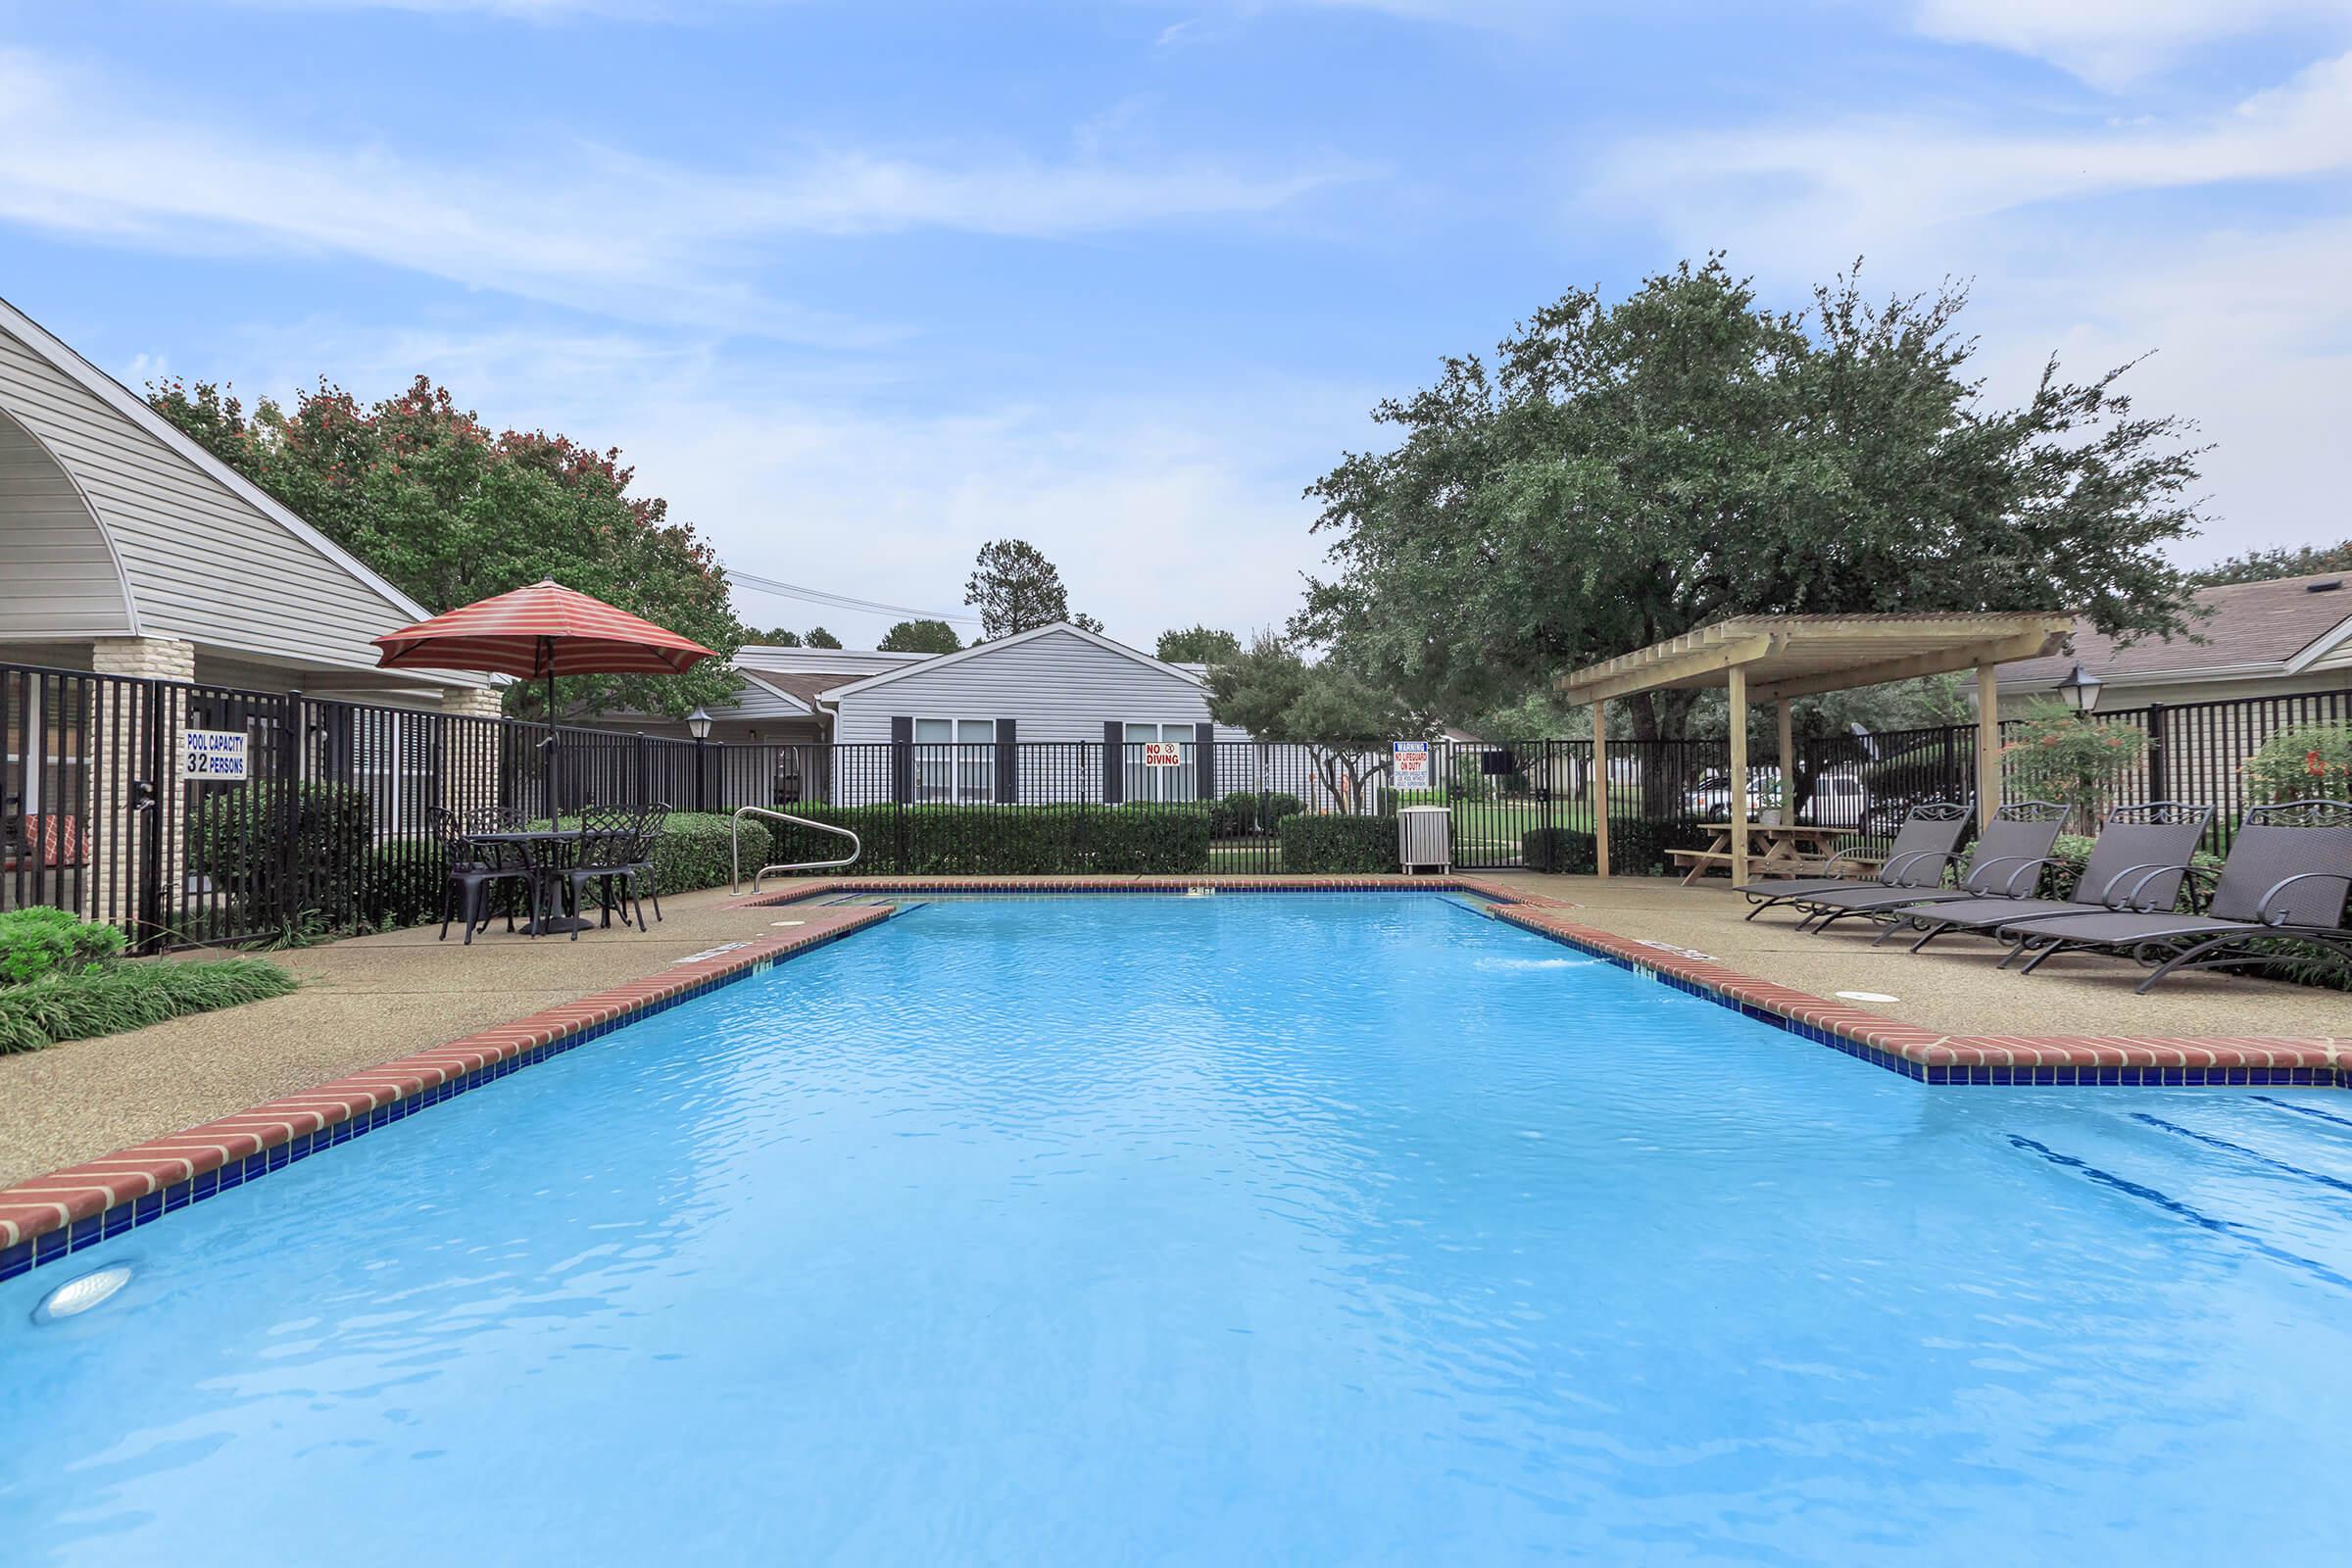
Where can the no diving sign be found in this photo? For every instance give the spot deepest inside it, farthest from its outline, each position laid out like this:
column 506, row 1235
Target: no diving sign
column 212, row 754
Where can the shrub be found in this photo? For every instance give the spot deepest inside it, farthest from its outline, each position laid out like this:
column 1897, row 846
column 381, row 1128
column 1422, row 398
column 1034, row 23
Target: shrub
column 81, row 1007
column 2304, row 761
column 1339, row 844
column 402, row 882
column 41, row 940
column 1009, row 840
column 1247, row 812
column 1560, row 849
column 1638, row 848
column 693, row 850
column 2060, row 756
column 272, row 849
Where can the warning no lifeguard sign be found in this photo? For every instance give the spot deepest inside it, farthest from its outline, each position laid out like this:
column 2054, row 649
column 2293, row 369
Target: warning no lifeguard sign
column 1412, row 764
column 214, row 753
column 1162, row 753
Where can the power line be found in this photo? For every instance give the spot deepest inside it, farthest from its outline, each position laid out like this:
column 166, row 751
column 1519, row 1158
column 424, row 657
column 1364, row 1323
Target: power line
column 834, row 601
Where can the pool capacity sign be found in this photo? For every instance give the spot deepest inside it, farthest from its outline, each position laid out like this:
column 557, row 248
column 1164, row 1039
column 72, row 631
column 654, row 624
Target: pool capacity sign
column 1162, row 753
column 212, row 754
column 1412, row 764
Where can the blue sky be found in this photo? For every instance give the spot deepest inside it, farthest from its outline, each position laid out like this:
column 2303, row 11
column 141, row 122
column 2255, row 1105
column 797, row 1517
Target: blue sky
column 859, row 286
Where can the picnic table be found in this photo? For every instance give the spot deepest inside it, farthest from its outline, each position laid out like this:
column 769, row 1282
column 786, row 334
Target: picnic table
column 1773, row 848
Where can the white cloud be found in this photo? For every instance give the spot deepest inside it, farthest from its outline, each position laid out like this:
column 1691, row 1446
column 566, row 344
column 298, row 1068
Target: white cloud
column 2073, row 244
column 1847, row 182
column 578, row 224
column 1160, row 509
column 2114, row 42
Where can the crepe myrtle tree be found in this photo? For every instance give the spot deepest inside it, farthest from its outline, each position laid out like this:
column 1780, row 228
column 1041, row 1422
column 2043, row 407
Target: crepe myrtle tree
column 450, row 512
column 1343, row 722
column 1623, row 471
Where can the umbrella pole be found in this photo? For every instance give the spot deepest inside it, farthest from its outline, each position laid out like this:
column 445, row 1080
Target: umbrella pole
column 555, row 807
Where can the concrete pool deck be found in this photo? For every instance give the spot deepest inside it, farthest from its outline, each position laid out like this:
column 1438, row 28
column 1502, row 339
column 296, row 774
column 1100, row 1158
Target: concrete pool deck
column 402, row 995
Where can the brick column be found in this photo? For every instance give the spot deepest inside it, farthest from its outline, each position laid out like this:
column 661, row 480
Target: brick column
column 117, row 746
column 470, row 751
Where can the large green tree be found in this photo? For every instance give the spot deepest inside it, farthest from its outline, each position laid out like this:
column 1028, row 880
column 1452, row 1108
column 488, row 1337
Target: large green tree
column 1343, row 722
column 1198, row 645
column 925, row 636
column 1017, row 589
column 450, row 511
column 1623, row 473
column 2262, row 565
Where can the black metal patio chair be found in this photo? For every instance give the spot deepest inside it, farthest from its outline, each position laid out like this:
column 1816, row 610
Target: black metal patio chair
column 470, row 870
column 2007, row 859
column 2289, row 875
column 648, row 832
column 603, row 859
column 2142, row 852
column 1924, row 846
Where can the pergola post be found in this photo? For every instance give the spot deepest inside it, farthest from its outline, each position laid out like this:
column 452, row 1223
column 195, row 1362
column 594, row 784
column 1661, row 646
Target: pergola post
column 1739, row 694
column 1600, row 788
column 1988, row 746
column 1786, row 757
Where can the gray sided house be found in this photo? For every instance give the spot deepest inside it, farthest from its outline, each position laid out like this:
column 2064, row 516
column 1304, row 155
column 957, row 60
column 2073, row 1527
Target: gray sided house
column 1050, row 716
column 1054, row 715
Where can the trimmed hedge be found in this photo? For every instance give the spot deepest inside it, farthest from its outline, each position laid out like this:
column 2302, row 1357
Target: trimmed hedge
column 1560, row 849
column 239, row 841
column 41, row 940
column 81, row 1006
column 692, row 851
column 1636, row 848
column 1339, row 844
column 1007, row 840
column 1244, row 813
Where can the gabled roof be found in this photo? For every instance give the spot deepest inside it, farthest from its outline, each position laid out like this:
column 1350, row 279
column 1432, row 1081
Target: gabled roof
column 398, row 607
column 2277, row 627
column 799, row 688
column 982, row 649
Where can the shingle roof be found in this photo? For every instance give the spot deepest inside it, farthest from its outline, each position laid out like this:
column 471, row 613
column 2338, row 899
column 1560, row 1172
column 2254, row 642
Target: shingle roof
column 804, row 684
column 2253, row 623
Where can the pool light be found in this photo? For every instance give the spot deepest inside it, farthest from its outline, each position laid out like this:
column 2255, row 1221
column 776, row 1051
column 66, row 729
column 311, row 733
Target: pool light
column 77, row 1295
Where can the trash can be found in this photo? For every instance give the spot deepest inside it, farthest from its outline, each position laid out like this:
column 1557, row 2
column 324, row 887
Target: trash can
column 1425, row 837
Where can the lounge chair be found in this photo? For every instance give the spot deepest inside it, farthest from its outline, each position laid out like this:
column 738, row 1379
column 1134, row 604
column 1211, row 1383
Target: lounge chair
column 2288, row 875
column 1928, row 842
column 2005, row 863
column 2142, row 852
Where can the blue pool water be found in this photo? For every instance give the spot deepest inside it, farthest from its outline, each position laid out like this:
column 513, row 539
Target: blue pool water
column 1272, row 1229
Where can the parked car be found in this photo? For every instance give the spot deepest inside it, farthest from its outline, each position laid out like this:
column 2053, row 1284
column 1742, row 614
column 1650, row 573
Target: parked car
column 1836, row 800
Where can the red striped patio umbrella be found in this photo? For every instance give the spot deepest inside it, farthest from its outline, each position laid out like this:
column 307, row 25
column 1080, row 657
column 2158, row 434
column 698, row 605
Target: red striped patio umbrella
column 541, row 632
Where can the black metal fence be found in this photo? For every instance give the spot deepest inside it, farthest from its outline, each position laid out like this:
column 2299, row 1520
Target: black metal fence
column 194, row 813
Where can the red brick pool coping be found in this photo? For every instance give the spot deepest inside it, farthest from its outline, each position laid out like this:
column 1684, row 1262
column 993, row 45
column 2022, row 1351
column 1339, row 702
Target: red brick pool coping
column 50, row 1202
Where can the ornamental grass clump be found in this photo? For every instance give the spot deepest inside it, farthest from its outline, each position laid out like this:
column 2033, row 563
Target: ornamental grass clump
column 128, row 996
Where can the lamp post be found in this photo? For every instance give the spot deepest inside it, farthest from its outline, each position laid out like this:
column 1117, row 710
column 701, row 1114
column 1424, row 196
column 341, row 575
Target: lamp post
column 2081, row 689
column 698, row 725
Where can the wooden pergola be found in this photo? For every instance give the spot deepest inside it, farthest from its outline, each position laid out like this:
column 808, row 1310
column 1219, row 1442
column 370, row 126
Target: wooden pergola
column 1776, row 659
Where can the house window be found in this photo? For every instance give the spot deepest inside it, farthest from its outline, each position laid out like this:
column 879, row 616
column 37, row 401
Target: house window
column 955, row 760
column 1149, row 783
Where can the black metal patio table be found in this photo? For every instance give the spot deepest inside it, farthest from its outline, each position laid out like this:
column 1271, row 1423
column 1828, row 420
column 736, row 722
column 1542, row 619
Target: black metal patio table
column 546, row 851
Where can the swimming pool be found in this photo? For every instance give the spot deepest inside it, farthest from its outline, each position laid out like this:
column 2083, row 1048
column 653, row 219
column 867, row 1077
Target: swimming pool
column 1265, row 1228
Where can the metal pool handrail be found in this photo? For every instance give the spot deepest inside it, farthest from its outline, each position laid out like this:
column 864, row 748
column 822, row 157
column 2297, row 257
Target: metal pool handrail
column 735, row 847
